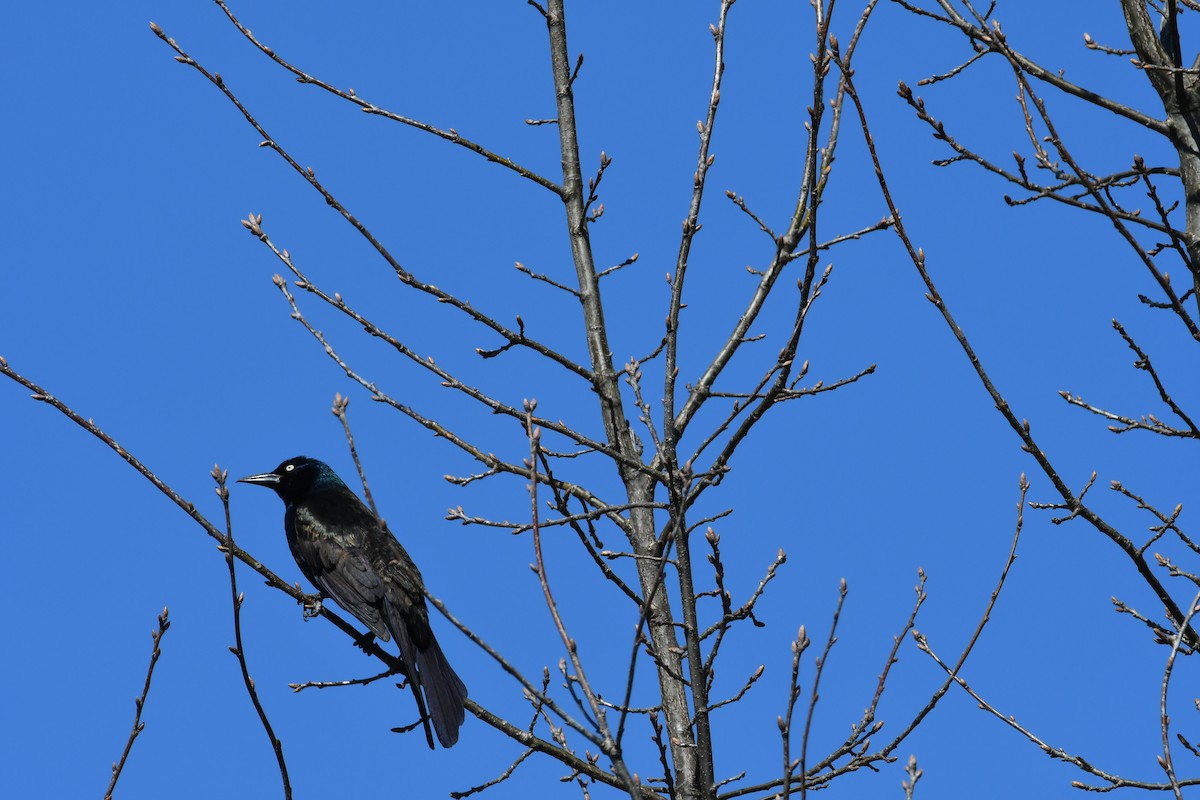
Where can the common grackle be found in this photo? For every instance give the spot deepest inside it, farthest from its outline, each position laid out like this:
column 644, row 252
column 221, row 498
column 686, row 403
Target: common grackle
column 346, row 552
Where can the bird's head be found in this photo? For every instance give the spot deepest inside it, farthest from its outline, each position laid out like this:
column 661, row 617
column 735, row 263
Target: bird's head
column 296, row 477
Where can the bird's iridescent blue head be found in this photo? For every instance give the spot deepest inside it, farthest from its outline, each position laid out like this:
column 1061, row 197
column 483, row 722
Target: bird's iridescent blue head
column 296, row 477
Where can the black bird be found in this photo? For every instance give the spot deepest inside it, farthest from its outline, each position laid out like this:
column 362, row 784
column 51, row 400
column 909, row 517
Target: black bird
column 346, row 552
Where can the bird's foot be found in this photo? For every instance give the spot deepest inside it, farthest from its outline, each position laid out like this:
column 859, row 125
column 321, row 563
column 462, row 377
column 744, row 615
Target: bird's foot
column 365, row 641
column 312, row 606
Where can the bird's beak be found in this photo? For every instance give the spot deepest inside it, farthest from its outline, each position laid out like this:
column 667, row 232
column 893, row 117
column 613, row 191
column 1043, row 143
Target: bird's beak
column 269, row 479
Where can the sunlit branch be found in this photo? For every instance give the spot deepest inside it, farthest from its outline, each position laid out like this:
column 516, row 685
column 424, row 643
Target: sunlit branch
column 350, row 96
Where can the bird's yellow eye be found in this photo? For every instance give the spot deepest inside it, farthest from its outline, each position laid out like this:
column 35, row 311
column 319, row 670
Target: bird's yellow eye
column 290, row 467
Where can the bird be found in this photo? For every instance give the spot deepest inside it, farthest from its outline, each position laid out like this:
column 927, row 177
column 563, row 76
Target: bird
column 345, row 550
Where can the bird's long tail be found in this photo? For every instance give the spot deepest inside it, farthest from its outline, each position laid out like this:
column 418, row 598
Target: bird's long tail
column 407, row 651
column 444, row 691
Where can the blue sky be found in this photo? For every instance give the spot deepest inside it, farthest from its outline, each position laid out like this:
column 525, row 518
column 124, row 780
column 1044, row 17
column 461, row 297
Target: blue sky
column 130, row 290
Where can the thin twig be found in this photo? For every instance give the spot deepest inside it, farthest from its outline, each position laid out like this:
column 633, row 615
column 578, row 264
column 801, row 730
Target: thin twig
column 746, row 611
column 1166, row 762
column 913, row 775
column 299, row 687
column 545, row 279
column 754, row 676
column 799, row 645
column 1169, row 522
column 220, row 476
column 340, row 404
column 672, row 430
column 501, row 778
column 822, row 660
column 140, row 702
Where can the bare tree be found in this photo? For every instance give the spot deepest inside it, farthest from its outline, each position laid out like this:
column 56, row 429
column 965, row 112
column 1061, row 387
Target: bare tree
column 643, row 464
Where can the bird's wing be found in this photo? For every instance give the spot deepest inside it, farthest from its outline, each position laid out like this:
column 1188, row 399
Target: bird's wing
column 339, row 568
column 403, row 587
